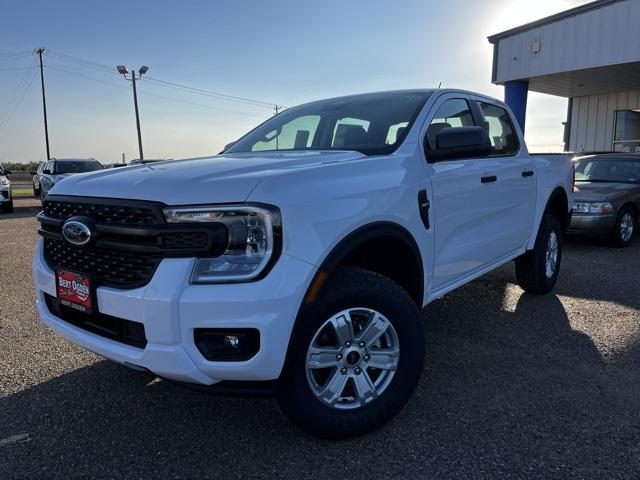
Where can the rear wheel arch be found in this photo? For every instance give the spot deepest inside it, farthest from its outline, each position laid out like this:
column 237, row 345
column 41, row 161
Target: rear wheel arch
column 558, row 205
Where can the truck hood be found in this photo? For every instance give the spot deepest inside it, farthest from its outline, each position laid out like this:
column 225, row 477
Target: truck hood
column 601, row 191
column 220, row 179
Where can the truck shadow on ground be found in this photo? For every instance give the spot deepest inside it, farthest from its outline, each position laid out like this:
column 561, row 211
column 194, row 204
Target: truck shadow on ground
column 508, row 386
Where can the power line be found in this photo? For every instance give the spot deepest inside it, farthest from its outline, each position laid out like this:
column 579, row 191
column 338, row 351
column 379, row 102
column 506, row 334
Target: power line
column 186, row 88
column 15, row 68
column 155, row 94
column 209, row 93
column 15, row 93
column 18, row 100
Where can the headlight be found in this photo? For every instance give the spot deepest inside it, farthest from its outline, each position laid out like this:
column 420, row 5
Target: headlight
column 253, row 233
column 595, row 208
column 4, row 181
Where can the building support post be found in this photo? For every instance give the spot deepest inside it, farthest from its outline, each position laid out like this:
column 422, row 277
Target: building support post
column 515, row 95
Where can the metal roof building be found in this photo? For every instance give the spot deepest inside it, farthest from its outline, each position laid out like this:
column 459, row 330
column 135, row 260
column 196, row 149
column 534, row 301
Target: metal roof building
column 589, row 54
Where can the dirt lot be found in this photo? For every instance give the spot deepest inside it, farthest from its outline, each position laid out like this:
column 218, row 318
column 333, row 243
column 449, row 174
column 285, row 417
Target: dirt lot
column 514, row 386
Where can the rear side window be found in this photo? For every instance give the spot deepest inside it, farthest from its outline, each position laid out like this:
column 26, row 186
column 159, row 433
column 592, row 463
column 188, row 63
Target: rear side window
column 452, row 113
column 501, row 132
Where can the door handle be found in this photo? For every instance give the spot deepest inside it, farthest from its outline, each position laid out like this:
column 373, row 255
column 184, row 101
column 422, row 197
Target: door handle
column 489, row 179
column 527, row 173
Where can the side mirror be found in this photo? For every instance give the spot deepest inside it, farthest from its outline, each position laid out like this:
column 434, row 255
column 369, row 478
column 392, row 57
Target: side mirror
column 461, row 142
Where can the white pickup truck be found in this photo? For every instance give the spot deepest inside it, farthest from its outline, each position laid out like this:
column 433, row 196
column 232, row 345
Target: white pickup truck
column 304, row 253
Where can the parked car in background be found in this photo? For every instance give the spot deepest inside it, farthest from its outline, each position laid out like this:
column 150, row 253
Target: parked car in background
column 304, row 253
column 6, row 199
column 607, row 196
column 36, row 178
column 57, row 169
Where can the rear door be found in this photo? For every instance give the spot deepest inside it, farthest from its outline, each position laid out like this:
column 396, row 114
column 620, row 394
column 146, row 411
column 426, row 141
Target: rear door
column 516, row 179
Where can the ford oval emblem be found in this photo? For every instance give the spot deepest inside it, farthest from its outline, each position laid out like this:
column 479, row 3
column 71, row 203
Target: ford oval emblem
column 76, row 233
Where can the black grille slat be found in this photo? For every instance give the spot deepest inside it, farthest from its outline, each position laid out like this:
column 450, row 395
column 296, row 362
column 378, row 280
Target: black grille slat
column 107, row 267
column 186, row 240
column 113, row 214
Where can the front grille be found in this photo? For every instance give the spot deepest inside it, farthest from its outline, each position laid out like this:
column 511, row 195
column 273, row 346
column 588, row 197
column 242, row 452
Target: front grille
column 103, row 213
column 129, row 239
column 105, row 267
column 5, row 194
column 114, row 328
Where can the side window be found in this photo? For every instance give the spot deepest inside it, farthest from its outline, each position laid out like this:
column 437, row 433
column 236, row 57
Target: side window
column 297, row 134
column 501, row 132
column 452, row 113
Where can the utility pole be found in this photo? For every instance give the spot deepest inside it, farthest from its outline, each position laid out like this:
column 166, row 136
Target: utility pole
column 141, row 71
column 40, row 51
column 276, row 109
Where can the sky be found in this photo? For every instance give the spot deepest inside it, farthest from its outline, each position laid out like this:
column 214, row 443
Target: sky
column 283, row 52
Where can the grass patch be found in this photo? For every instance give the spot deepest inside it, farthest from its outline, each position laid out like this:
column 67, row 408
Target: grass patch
column 22, row 192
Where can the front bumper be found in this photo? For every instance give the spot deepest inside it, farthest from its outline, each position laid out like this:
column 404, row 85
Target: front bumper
column 593, row 225
column 171, row 309
column 5, row 193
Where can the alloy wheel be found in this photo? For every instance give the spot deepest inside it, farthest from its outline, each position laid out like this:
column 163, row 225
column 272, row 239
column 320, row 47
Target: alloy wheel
column 626, row 227
column 352, row 358
column 551, row 256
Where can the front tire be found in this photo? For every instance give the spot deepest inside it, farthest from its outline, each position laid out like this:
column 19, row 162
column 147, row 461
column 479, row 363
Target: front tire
column 355, row 356
column 622, row 233
column 537, row 270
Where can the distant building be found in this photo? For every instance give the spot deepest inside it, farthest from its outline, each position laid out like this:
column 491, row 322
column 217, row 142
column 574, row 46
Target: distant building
column 590, row 55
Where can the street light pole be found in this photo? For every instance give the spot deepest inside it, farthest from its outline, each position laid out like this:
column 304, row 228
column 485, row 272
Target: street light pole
column 135, row 103
column 141, row 71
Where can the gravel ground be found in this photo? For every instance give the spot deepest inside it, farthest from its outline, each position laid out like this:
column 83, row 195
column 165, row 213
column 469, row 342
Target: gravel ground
column 514, row 386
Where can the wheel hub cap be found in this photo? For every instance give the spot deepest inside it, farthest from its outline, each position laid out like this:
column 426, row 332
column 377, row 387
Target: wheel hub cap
column 626, row 227
column 551, row 257
column 352, row 358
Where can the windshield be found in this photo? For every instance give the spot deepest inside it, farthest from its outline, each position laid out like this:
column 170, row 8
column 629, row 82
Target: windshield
column 373, row 124
column 608, row 169
column 77, row 166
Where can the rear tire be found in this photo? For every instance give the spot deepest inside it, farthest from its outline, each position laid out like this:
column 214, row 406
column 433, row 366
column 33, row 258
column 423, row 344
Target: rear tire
column 36, row 191
column 537, row 270
column 622, row 233
column 366, row 397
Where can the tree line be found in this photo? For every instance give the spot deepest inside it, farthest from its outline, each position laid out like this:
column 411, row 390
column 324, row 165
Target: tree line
column 20, row 167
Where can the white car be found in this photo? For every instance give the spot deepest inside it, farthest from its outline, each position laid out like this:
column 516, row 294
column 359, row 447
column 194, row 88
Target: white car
column 6, row 198
column 305, row 252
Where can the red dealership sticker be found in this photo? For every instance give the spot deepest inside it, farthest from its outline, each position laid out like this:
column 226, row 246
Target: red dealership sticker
column 74, row 290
